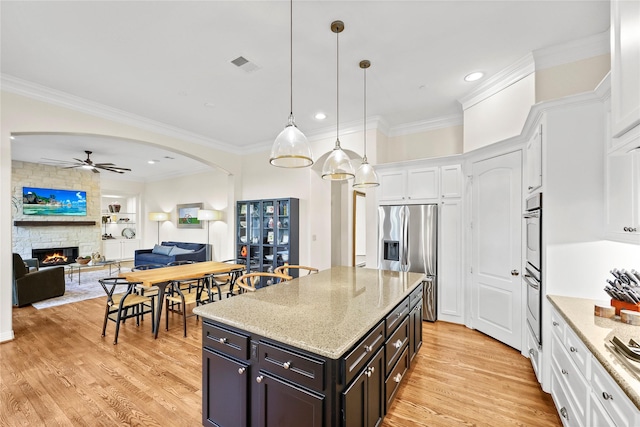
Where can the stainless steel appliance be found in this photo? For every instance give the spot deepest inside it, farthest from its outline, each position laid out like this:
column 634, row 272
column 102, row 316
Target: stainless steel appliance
column 408, row 242
column 533, row 267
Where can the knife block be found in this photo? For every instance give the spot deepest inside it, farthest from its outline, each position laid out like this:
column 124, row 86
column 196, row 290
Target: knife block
column 622, row 305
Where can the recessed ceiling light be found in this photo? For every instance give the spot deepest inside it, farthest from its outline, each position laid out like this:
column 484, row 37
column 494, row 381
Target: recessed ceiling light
column 320, row 116
column 12, row 137
column 477, row 75
column 151, row 162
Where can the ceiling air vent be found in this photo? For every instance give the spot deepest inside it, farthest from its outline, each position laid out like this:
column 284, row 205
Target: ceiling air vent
column 244, row 64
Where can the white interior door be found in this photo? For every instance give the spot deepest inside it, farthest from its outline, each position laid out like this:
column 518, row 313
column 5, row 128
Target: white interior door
column 496, row 291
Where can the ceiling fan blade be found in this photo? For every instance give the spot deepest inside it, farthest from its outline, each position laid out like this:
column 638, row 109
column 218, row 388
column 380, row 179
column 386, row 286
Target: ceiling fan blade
column 73, row 167
column 94, row 170
column 113, row 169
column 103, row 164
column 81, row 161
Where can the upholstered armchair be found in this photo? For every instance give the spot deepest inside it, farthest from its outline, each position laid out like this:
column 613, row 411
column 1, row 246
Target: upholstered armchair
column 37, row 285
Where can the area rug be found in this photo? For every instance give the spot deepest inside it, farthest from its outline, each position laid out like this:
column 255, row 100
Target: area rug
column 88, row 288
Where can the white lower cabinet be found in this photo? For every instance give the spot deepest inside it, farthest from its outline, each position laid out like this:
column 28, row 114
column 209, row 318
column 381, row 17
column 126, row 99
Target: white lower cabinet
column 535, row 354
column 119, row 249
column 583, row 391
column 615, row 403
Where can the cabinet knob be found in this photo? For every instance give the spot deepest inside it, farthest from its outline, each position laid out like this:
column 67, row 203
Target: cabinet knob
column 259, row 379
column 368, row 348
column 531, row 351
column 606, row 396
column 398, row 378
column 241, row 370
column 563, row 412
column 564, row 372
column 515, row 273
column 286, row 365
column 572, row 349
column 223, row 340
column 555, row 323
column 397, row 344
column 368, row 372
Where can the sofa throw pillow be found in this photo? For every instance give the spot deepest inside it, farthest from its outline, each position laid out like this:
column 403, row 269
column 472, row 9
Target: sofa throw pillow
column 179, row 251
column 161, row 250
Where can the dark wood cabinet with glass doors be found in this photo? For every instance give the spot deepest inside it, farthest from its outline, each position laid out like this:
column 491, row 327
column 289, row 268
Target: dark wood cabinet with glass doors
column 267, row 233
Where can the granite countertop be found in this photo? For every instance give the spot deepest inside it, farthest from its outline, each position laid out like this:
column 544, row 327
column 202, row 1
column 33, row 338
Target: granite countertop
column 597, row 333
column 324, row 313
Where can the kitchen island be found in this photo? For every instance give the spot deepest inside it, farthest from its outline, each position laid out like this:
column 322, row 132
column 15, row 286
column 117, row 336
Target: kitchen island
column 328, row 349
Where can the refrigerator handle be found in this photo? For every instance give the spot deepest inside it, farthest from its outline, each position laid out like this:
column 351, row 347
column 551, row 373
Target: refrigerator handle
column 405, row 237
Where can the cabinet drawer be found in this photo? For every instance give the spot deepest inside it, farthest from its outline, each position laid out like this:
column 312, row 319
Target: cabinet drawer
column 394, row 318
column 577, row 350
column 362, row 352
column 395, row 344
column 300, row 369
column 225, row 341
column 566, row 411
column 574, row 383
column 557, row 324
column 597, row 415
column 395, row 377
column 613, row 399
column 416, row 296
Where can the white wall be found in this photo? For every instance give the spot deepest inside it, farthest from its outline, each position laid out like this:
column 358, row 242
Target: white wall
column 208, row 188
column 423, row 145
column 499, row 117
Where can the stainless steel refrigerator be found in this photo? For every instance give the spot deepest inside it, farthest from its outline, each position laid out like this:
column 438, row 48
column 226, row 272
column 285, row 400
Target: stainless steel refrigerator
column 408, row 241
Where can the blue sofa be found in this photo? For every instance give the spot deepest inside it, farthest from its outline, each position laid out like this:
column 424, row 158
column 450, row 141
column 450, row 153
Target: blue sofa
column 161, row 254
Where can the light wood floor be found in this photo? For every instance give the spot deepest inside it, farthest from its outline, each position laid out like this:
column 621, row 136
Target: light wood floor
column 60, row 372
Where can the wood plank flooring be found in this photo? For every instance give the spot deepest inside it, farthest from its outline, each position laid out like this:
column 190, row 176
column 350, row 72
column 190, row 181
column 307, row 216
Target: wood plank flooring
column 59, row 371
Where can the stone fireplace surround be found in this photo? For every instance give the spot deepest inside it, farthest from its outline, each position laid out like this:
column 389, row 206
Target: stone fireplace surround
column 88, row 238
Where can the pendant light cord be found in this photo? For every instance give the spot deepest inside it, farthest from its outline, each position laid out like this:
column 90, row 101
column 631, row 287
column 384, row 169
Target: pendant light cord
column 291, row 56
column 337, row 90
column 365, row 115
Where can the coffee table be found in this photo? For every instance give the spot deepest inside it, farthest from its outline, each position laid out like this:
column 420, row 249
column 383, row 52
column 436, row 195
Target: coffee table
column 75, row 265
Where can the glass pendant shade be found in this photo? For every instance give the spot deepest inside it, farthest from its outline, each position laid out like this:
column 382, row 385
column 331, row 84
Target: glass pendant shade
column 291, row 148
column 366, row 176
column 337, row 167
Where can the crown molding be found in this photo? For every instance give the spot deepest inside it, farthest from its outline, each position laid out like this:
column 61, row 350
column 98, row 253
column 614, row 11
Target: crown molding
column 572, row 51
column 45, row 94
column 426, row 125
column 503, row 79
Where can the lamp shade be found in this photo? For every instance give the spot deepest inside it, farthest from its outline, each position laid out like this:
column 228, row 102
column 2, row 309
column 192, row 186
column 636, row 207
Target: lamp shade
column 158, row 216
column 337, row 167
column 291, row 148
column 209, row 215
column 366, row 176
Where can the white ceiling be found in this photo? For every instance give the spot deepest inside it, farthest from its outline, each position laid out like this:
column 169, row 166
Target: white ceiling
column 169, row 61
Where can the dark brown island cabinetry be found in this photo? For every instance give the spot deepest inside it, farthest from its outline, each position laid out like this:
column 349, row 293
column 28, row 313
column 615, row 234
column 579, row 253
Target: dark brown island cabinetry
column 249, row 379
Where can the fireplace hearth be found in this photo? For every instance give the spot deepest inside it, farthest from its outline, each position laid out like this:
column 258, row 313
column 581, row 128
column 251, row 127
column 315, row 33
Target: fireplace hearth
column 55, row 256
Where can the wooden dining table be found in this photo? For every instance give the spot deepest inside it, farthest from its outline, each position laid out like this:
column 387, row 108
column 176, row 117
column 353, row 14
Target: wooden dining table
column 161, row 277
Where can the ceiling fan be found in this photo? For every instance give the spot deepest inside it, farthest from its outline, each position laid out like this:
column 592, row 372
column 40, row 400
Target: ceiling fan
column 88, row 164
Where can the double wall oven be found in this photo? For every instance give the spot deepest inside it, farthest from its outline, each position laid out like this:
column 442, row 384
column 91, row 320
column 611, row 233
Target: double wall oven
column 533, row 267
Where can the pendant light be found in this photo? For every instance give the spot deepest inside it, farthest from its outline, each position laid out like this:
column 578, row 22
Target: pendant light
column 337, row 167
column 365, row 175
column 291, row 148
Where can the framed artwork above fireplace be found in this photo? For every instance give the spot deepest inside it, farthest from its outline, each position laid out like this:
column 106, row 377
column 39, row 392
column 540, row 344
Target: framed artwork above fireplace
column 51, row 201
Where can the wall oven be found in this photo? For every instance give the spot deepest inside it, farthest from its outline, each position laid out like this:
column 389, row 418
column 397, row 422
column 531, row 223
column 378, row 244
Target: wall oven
column 533, row 267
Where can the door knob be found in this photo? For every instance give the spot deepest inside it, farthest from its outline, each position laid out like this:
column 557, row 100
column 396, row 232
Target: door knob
column 515, row 272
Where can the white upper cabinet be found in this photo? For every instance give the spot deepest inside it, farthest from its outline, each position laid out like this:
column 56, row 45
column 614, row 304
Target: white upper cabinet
column 625, row 65
column 393, row 186
column 419, row 185
column 533, row 158
column 423, row 184
column 451, row 184
column 623, row 189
